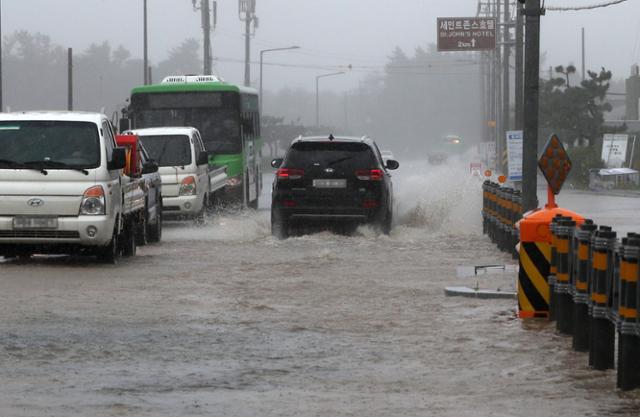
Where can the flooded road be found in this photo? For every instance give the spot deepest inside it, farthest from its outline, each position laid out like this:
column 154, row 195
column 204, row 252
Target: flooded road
column 224, row 320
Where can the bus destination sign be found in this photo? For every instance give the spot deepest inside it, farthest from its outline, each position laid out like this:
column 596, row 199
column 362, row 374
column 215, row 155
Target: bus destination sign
column 466, row 33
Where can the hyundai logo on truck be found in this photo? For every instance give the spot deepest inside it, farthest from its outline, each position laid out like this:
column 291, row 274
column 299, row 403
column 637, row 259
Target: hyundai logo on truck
column 35, row 202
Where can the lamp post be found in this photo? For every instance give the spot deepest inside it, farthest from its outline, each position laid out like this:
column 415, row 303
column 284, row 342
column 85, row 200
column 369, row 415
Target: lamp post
column 261, row 55
column 145, row 42
column 1, row 103
column 317, row 96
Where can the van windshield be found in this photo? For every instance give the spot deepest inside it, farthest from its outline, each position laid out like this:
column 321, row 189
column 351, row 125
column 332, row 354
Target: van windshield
column 49, row 144
column 168, row 150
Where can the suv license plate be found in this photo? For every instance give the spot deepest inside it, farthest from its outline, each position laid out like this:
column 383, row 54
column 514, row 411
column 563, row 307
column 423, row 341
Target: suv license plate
column 35, row 223
column 330, row 183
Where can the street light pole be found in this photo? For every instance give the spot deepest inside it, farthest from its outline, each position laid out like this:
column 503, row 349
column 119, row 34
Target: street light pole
column 317, row 91
column 1, row 104
column 146, row 45
column 261, row 56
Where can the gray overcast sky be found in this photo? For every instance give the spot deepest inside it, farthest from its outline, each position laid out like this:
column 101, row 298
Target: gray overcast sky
column 331, row 32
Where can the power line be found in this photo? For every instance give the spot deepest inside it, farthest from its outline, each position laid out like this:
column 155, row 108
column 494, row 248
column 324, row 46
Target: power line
column 590, row 7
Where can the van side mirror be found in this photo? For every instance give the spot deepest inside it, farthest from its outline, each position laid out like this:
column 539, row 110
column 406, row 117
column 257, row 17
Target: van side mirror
column 277, row 162
column 118, row 159
column 149, row 167
column 392, row 164
column 203, row 159
column 124, row 124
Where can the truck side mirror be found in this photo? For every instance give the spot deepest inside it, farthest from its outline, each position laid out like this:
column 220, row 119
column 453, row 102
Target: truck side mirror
column 203, row 159
column 118, row 159
column 149, row 167
column 124, row 124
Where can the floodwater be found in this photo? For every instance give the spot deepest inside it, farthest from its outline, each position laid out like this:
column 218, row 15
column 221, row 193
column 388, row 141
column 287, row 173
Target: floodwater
column 223, row 320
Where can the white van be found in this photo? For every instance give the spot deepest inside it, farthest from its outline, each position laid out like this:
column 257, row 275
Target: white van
column 62, row 188
column 189, row 183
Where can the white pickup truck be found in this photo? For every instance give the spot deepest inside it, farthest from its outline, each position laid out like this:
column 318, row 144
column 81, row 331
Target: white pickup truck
column 62, row 187
column 189, row 183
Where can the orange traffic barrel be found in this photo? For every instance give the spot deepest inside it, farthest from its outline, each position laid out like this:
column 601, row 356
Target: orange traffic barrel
column 535, row 257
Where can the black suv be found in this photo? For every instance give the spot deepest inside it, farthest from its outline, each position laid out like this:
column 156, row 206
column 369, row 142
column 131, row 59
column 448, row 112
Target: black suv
column 332, row 179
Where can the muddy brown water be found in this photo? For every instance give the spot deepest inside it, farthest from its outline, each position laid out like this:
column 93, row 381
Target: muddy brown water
column 224, row 320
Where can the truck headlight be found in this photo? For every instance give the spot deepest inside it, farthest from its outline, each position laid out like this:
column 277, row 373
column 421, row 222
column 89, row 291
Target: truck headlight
column 188, row 186
column 93, row 202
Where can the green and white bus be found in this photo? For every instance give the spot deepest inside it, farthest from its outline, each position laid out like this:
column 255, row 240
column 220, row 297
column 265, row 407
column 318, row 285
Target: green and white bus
column 227, row 117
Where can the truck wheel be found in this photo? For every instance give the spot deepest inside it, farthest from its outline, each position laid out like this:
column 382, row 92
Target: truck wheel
column 110, row 253
column 201, row 215
column 129, row 239
column 254, row 204
column 155, row 232
column 141, row 230
column 279, row 225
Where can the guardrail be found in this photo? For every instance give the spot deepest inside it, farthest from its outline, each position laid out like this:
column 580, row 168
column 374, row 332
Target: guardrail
column 592, row 277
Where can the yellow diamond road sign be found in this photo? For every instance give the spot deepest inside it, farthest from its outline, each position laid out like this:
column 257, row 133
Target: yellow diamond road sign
column 554, row 163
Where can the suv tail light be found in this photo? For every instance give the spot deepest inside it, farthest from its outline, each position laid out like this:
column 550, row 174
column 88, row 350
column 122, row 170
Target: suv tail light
column 289, row 173
column 369, row 174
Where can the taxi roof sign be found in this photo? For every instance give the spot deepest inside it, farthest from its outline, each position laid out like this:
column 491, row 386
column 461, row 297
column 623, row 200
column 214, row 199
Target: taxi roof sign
column 554, row 163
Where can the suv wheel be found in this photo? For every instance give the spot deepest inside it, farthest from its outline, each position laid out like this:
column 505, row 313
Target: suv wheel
column 384, row 223
column 279, row 225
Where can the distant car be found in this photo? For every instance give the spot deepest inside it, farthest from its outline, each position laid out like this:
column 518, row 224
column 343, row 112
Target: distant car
column 335, row 179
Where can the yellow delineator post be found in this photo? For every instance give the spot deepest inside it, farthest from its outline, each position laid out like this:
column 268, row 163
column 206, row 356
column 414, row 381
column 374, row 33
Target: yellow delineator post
column 535, row 237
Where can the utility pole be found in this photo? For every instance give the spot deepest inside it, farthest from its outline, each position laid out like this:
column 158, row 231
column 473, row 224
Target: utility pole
column 519, row 78
column 247, row 14
column 506, row 40
column 1, row 104
column 70, row 79
column 533, row 11
column 206, row 13
column 500, row 142
column 206, row 28
column 583, row 65
column 146, row 44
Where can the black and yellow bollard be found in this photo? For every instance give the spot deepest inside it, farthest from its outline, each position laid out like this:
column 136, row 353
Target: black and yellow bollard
column 628, row 339
column 553, row 265
column 581, row 273
column 602, row 334
column 517, row 215
column 563, row 302
column 485, row 207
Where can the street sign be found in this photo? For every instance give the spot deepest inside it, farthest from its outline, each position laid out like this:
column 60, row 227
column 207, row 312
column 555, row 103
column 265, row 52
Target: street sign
column 554, row 163
column 466, row 33
column 614, row 150
column 514, row 154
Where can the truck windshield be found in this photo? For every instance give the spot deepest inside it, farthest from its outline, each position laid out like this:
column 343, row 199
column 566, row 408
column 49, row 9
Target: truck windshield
column 50, row 144
column 168, row 150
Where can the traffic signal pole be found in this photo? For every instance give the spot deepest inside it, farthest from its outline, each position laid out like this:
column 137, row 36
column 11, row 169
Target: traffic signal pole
column 532, row 13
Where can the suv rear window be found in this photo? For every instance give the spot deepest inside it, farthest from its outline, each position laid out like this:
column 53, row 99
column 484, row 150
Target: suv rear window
column 334, row 154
